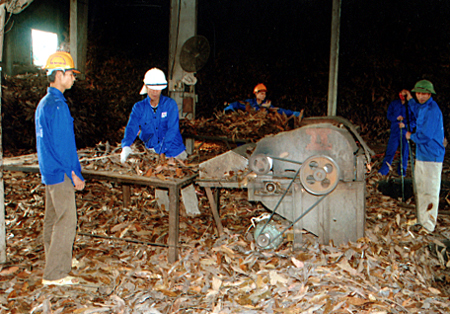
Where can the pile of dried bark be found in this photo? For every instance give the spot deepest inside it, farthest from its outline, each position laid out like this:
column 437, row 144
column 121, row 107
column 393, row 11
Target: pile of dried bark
column 393, row 269
column 106, row 158
column 249, row 125
column 100, row 104
column 20, row 96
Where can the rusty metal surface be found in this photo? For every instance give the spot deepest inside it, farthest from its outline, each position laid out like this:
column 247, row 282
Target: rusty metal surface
column 228, row 167
column 316, row 172
column 320, row 139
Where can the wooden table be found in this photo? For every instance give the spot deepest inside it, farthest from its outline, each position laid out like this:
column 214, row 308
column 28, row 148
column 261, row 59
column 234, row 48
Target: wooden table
column 173, row 185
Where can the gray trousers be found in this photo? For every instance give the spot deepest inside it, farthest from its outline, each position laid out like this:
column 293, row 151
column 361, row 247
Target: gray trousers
column 427, row 177
column 60, row 224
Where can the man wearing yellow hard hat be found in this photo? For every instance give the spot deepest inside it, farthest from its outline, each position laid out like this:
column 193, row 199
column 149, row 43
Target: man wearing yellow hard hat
column 260, row 101
column 60, row 170
column 430, row 151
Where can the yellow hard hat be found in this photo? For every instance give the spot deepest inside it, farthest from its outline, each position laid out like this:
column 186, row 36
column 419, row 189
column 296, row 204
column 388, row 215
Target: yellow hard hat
column 260, row 88
column 60, row 60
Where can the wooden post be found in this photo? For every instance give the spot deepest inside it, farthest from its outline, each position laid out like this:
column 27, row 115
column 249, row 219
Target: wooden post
column 78, row 34
column 334, row 58
column 73, row 30
column 126, row 194
column 2, row 191
column 214, row 209
column 174, row 221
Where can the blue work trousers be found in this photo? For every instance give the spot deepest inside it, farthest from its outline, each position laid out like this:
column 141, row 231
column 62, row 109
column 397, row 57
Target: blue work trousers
column 393, row 144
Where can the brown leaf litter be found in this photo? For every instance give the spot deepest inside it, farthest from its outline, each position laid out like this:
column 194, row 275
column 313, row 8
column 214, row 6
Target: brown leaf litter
column 390, row 270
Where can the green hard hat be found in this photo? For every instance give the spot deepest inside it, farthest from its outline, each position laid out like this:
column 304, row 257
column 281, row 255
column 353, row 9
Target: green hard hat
column 424, row 86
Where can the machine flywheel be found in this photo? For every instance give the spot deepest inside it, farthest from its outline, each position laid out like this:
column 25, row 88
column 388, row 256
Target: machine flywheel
column 319, row 174
column 260, row 164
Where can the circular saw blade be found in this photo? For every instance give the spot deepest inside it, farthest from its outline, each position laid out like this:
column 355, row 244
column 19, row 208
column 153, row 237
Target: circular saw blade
column 194, row 53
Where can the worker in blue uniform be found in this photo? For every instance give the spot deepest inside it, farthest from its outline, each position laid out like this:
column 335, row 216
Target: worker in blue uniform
column 155, row 119
column 402, row 119
column 430, row 151
column 259, row 102
column 60, row 170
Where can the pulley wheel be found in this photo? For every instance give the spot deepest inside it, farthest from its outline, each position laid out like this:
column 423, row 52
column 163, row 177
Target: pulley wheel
column 319, row 175
column 260, row 164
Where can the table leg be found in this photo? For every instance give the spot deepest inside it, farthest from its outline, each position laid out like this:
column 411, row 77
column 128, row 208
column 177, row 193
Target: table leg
column 213, row 205
column 126, row 194
column 217, row 199
column 174, row 222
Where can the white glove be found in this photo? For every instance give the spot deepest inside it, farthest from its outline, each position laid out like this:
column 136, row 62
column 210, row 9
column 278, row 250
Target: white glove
column 126, row 151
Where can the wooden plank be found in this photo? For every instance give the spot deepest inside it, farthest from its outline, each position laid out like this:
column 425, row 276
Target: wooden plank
column 216, row 138
column 112, row 176
column 221, row 184
column 21, row 160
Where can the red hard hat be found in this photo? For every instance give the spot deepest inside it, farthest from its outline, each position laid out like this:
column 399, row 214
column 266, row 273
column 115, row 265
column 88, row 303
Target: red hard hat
column 260, row 88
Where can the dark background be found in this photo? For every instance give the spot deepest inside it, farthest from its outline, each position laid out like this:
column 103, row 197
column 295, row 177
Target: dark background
column 285, row 44
column 384, row 47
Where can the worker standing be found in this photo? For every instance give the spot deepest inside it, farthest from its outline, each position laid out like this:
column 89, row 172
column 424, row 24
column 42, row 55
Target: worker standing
column 402, row 120
column 430, row 151
column 260, row 101
column 156, row 117
column 60, row 170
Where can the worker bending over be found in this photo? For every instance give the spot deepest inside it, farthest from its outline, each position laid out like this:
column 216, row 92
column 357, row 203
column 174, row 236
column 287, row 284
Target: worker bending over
column 260, row 101
column 155, row 119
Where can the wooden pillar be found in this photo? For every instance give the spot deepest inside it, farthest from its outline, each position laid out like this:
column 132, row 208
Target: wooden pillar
column 334, row 58
column 2, row 191
column 78, row 34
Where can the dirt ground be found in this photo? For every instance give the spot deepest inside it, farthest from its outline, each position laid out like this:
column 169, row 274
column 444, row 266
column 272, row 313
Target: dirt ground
column 393, row 269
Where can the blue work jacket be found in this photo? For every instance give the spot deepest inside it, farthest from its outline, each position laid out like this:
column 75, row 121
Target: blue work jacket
column 395, row 109
column 429, row 135
column 254, row 104
column 55, row 139
column 159, row 129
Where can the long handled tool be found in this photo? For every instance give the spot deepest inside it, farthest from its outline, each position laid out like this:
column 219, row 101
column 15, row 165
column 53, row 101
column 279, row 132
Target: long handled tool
column 411, row 158
column 408, row 128
column 401, row 165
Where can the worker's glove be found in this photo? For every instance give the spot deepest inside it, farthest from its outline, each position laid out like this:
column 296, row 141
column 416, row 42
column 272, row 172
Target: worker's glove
column 126, row 151
column 158, row 148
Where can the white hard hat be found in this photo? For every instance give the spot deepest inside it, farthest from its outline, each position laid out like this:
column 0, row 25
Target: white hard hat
column 155, row 79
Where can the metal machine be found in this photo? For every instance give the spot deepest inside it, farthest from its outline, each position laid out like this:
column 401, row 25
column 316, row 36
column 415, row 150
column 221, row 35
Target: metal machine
column 313, row 176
